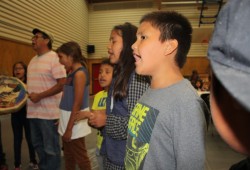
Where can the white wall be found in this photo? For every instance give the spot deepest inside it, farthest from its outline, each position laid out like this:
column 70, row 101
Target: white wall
column 67, row 20
column 103, row 17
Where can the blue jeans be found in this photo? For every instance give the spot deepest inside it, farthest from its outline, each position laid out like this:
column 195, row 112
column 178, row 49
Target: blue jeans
column 45, row 140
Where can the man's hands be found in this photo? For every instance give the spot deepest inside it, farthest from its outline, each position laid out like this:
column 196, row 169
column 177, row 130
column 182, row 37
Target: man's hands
column 34, row 97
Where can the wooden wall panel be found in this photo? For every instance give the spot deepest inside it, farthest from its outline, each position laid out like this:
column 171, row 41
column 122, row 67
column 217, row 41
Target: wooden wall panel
column 201, row 64
column 11, row 52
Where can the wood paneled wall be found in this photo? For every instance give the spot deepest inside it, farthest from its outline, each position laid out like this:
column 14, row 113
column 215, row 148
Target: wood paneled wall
column 11, row 52
column 201, row 64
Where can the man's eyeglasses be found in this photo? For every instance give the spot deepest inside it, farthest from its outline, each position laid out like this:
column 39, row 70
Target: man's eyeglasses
column 36, row 37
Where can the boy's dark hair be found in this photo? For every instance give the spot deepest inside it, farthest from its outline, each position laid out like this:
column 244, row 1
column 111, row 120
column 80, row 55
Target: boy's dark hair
column 126, row 64
column 73, row 49
column 172, row 25
column 24, row 67
column 107, row 62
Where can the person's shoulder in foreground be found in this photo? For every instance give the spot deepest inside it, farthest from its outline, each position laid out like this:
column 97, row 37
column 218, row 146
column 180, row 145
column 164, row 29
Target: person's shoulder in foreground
column 167, row 123
column 229, row 54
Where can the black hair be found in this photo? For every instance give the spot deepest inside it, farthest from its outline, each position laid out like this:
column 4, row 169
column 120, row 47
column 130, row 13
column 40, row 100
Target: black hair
column 107, row 62
column 126, row 63
column 24, row 67
column 201, row 83
column 172, row 25
column 73, row 49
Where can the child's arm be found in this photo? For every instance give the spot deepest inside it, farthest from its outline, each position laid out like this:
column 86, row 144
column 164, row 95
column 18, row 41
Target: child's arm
column 87, row 114
column 97, row 118
column 79, row 83
column 83, row 115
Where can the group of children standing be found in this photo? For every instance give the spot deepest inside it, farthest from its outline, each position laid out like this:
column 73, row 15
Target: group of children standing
column 148, row 116
column 153, row 118
column 111, row 107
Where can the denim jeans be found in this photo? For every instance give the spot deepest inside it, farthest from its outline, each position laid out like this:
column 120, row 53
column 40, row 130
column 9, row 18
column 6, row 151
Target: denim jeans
column 45, row 140
column 20, row 122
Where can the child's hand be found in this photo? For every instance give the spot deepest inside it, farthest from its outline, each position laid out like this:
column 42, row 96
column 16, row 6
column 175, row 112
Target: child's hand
column 83, row 115
column 98, row 119
column 67, row 136
column 56, row 122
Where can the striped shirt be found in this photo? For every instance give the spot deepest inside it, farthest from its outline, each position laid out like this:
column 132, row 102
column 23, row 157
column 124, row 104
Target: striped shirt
column 43, row 72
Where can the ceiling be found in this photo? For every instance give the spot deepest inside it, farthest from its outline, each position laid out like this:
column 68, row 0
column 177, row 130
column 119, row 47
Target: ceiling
column 103, row 1
column 158, row 2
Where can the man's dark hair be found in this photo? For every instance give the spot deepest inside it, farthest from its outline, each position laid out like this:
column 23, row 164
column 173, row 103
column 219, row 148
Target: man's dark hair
column 45, row 36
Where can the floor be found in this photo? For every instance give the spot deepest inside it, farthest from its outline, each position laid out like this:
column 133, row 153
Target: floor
column 219, row 154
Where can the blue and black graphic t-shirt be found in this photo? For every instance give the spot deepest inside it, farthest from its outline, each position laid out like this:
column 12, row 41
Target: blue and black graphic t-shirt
column 165, row 126
column 140, row 127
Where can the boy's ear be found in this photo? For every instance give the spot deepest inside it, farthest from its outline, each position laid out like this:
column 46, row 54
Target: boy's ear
column 170, row 46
